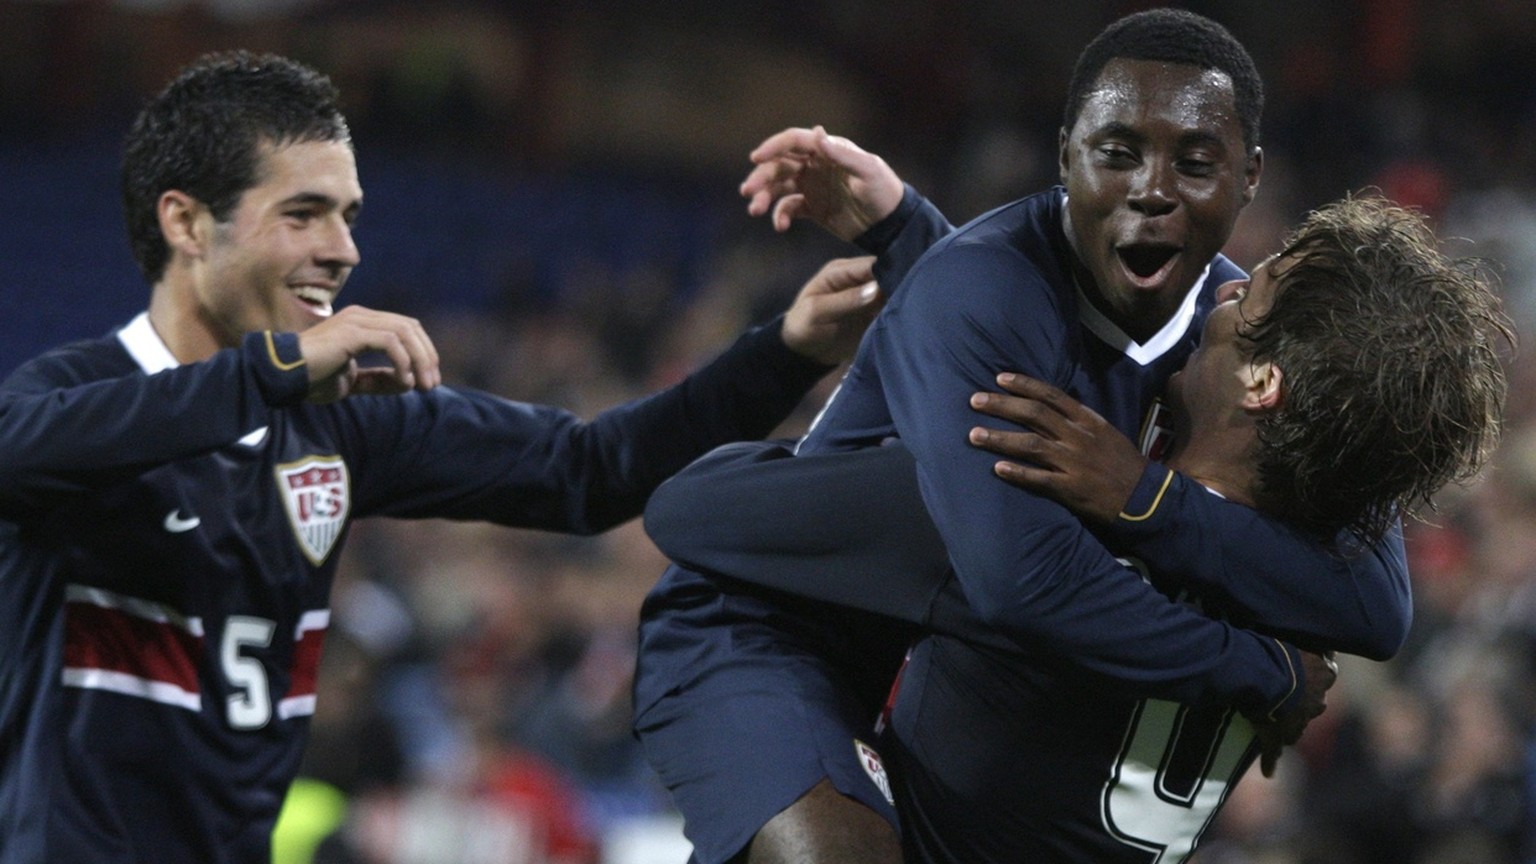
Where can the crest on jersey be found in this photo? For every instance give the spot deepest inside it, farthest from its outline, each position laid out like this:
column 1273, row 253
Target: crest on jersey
column 316, row 492
column 870, row 761
column 1157, row 431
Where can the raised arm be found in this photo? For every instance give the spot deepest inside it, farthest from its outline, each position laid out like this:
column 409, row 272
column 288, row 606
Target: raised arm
column 474, row 456
column 852, row 194
column 807, row 174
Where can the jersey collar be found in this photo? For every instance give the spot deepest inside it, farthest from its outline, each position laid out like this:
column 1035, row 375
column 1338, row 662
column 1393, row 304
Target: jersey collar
column 147, row 349
column 1160, row 343
column 145, row 345
column 1110, row 333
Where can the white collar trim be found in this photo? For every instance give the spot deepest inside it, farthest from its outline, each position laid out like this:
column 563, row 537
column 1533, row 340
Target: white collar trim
column 146, row 346
column 150, row 352
column 1161, row 341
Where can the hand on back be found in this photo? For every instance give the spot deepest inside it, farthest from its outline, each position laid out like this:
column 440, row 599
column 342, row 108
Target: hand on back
column 1066, row 450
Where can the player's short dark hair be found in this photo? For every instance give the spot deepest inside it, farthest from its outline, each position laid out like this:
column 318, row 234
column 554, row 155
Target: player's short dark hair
column 202, row 135
column 1171, row 36
column 1391, row 383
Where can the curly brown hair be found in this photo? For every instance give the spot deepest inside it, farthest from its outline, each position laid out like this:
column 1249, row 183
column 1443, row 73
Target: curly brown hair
column 1392, row 383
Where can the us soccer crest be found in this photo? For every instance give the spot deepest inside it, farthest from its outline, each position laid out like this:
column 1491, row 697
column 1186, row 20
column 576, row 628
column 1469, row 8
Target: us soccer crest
column 316, row 492
column 875, row 768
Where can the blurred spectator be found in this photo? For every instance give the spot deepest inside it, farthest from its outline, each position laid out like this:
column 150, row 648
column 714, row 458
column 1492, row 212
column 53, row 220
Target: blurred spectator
column 570, row 170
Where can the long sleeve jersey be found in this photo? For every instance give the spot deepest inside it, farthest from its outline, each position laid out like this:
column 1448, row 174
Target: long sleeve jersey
column 998, row 296
column 168, row 538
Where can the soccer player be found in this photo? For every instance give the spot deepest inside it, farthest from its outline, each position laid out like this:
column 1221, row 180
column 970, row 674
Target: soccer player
column 173, row 495
column 1008, row 752
column 754, row 708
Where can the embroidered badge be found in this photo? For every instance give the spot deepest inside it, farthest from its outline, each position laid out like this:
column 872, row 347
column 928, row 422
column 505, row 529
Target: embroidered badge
column 874, row 768
column 316, row 493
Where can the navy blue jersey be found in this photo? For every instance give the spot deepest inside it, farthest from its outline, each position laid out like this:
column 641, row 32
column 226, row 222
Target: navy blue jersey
column 168, row 537
column 998, row 295
column 999, row 756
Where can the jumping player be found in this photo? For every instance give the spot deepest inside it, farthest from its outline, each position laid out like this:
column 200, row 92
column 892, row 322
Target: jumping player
column 173, row 495
column 754, row 709
column 1003, row 752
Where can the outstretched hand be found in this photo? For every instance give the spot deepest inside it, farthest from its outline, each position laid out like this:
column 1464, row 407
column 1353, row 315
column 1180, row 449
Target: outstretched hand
column 1319, row 671
column 832, row 310
column 808, row 174
column 1067, row 451
column 331, row 349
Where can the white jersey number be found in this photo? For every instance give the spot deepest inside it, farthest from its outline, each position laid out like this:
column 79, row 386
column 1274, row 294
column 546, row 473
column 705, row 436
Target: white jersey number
column 251, row 707
column 1138, row 806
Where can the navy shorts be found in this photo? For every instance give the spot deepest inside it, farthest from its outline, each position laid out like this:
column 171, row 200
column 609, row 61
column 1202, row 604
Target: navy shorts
column 748, row 727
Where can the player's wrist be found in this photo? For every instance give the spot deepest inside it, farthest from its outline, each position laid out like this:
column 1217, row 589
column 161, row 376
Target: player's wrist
column 277, row 362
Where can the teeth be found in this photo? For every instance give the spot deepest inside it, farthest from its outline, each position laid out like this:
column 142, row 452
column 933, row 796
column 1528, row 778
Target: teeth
column 316, row 296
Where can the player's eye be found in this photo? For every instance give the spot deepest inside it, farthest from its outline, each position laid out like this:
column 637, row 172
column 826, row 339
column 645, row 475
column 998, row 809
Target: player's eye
column 1197, row 167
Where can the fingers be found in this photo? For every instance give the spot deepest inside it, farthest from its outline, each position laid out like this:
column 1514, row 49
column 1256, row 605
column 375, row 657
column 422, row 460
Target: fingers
column 1269, row 757
column 842, row 273
column 768, row 181
column 786, row 211
column 330, row 348
column 376, row 382
column 1014, row 445
column 1037, row 390
column 840, row 303
column 795, row 141
column 1021, row 409
column 842, row 152
column 412, row 356
column 832, row 310
column 777, row 161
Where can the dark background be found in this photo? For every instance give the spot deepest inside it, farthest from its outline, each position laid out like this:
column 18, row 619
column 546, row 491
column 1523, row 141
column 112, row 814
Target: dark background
column 552, row 188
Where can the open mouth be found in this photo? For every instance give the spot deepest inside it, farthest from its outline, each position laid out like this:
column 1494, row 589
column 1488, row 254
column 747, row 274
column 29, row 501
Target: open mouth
column 317, row 299
column 1146, row 261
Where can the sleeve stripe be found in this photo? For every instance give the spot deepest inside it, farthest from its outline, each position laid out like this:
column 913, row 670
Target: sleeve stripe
column 1294, row 682
column 277, row 361
column 1156, row 500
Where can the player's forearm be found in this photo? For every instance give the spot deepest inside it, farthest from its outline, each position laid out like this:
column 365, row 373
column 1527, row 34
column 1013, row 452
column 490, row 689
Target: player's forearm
column 901, row 238
column 1273, row 577
column 846, row 528
column 60, row 439
column 743, row 394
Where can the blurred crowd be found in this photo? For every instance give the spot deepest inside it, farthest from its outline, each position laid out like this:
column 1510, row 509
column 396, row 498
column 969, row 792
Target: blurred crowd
column 474, row 705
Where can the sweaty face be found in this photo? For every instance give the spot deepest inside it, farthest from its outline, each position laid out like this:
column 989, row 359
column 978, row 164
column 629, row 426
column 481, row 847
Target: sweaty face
column 1156, row 174
column 282, row 256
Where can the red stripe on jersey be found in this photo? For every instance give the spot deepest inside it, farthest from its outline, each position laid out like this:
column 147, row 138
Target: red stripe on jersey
column 309, row 640
column 100, row 637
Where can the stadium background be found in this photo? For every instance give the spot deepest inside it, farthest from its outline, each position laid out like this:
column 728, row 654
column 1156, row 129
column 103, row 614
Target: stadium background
column 551, row 187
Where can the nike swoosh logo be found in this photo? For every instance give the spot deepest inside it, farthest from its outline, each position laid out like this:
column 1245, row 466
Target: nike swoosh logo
column 177, row 525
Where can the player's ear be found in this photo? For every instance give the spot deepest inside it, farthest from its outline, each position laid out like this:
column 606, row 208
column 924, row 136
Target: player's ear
column 1251, row 172
column 1264, row 387
column 1063, row 161
column 181, row 223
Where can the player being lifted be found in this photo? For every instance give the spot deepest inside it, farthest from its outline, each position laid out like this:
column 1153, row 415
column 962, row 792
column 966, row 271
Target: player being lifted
column 1350, row 378
column 753, row 706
